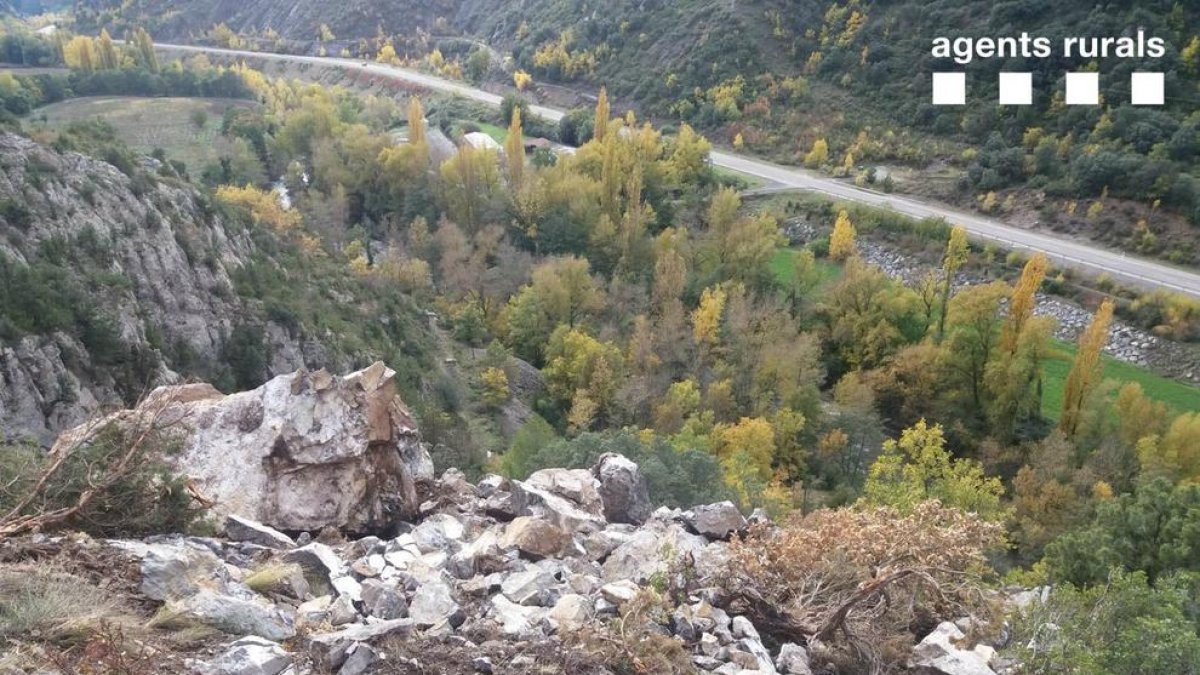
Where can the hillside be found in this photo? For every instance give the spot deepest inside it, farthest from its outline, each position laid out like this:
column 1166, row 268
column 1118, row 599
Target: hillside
column 120, row 279
column 775, row 78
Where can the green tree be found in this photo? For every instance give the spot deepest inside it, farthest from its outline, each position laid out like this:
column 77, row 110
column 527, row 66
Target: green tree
column 917, row 467
column 955, row 258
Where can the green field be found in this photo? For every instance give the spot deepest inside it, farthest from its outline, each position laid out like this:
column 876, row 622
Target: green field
column 1182, row 397
column 783, row 265
column 149, row 123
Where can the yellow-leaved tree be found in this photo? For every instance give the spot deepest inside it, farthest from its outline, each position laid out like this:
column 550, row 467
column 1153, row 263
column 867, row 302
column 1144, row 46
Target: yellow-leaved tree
column 1087, row 370
column 819, row 154
column 842, row 242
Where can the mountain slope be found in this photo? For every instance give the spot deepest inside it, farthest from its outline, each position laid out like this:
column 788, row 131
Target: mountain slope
column 119, row 279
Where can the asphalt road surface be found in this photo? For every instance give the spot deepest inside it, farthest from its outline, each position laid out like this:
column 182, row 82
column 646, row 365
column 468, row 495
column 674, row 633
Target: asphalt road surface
column 1066, row 252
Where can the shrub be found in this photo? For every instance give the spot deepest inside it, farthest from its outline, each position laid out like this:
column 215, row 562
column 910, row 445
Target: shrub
column 865, row 582
column 1124, row 625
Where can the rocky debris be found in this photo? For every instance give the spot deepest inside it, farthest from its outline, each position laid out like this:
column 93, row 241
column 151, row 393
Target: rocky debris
column 459, row 578
column 244, row 529
column 623, row 490
column 938, row 654
column 248, row 656
column 715, row 521
column 304, row 451
column 194, row 584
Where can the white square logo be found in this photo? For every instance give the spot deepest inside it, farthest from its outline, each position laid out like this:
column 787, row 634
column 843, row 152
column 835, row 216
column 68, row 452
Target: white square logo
column 1083, row 88
column 1016, row 88
column 1147, row 88
column 949, row 88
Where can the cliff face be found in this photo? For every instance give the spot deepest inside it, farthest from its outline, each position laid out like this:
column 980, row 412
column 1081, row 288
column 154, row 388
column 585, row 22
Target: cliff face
column 114, row 283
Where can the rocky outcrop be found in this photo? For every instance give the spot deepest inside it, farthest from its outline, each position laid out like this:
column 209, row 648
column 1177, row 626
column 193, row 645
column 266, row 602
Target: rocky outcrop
column 140, row 259
column 304, row 451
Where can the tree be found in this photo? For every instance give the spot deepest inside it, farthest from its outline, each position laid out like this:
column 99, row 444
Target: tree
column 1155, row 529
column 1176, row 454
column 842, row 241
column 818, row 156
column 514, row 153
column 416, row 122
column 955, row 258
column 562, row 291
column 973, row 317
column 688, row 160
column 522, row 80
column 1024, row 300
column 706, row 319
column 470, row 185
column 583, row 372
column 144, row 47
column 1086, row 371
column 600, row 126
column 917, row 468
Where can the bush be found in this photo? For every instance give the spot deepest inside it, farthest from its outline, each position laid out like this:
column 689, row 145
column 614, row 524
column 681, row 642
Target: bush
column 1123, row 626
column 1154, row 530
column 873, row 576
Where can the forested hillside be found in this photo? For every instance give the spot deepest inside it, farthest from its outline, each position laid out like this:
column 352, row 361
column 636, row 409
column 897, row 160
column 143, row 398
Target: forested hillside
column 842, row 86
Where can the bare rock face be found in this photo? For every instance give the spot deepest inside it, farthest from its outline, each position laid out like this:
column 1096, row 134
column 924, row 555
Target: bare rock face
column 304, row 451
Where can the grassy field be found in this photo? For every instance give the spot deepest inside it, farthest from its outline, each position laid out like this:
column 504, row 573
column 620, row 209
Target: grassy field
column 149, row 123
column 1182, row 397
column 783, row 265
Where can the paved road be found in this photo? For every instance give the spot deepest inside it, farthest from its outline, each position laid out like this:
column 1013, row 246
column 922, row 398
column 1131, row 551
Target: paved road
column 1066, row 252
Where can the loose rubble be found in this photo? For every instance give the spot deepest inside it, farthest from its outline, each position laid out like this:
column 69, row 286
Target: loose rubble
column 463, row 576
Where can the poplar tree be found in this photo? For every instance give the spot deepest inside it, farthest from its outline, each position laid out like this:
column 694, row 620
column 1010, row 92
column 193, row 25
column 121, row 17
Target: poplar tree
column 842, row 242
column 602, row 115
column 956, row 257
column 1087, row 370
column 514, row 151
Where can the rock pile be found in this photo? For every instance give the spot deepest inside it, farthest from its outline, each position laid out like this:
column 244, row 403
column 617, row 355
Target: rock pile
column 499, row 562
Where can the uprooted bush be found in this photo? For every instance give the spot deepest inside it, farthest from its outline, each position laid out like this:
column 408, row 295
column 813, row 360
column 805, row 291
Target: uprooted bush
column 114, row 482
column 861, row 585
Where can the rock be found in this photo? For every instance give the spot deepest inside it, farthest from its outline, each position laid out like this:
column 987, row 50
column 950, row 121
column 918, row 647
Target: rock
column 302, row 452
column 432, row 604
column 348, row 587
column 470, row 559
column 318, row 560
column 368, row 566
column 650, row 551
column 529, row 587
column 382, row 601
column 619, row 592
column 342, row 612
column 439, row 532
column 248, row 656
column 742, row 628
column 937, row 653
column 482, row 664
column 490, row 484
column 315, row 611
column 715, row 521
column 237, row 615
column 535, row 537
column 709, row 644
column 598, row 545
column 793, row 660
column 516, row 620
column 331, row 649
column 244, row 529
column 359, row 659
column 571, row 612
column 623, row 489
column 192, row 582
column 568, row 498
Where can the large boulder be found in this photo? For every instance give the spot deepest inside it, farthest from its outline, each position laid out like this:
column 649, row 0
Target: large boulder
column 715, row 521
column 568, row 498
column 304, row 451
column 623, row 489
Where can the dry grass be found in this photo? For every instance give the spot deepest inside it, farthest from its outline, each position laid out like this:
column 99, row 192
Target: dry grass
column 52, row 605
